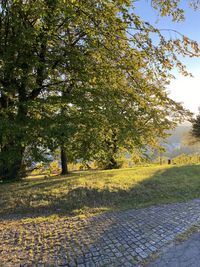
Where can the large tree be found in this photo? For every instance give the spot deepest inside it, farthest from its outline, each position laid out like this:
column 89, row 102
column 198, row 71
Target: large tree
column 69, row 55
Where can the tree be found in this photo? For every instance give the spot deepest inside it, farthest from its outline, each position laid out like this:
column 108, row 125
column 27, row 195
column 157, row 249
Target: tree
column 57, row 52
column 121, row 122
column 195, row 130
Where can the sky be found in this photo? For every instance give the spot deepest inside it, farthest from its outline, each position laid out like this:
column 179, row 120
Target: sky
column 182, row 89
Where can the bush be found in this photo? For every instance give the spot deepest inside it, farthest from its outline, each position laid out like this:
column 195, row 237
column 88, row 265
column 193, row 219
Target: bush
column 186, row 159
column 54, row 167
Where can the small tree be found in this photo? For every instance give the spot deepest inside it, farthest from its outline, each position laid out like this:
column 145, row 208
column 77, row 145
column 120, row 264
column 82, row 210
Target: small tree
column 196, row 127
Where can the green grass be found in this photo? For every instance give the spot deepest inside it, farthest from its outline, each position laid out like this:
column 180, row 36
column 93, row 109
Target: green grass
column 96, row 191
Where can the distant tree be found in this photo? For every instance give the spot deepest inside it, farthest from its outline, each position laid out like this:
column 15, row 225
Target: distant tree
column 196, row 129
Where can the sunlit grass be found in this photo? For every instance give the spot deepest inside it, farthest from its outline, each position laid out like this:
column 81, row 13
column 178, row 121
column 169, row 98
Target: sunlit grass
column 95, row 191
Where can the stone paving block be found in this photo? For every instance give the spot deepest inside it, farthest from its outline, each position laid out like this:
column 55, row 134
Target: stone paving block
column 109, row 239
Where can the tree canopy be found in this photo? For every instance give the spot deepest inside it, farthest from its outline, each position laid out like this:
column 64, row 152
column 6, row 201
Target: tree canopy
column 76, row 73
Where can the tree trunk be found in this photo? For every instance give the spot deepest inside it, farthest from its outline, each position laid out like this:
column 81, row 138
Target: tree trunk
column 112, row 147
column 112, row 164
column 12, row 149
column 11, row 157
column 63, row 162
column 160, row 156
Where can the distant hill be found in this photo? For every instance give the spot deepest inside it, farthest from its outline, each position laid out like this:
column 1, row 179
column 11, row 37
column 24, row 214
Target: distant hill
column 175, row 142
column 178, row 134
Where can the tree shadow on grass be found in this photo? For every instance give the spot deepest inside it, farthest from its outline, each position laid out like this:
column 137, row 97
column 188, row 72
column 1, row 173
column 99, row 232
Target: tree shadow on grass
column 47, row 181
column 175, row 184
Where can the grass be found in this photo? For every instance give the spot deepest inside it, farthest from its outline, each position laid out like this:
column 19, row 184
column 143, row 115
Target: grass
column 89, row 192
column 184, row 236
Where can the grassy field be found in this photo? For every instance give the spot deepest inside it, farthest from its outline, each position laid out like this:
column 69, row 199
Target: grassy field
column 95, row 191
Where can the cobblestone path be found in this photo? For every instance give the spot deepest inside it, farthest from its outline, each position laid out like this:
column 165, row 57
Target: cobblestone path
column 186, row 254
column 111, row 239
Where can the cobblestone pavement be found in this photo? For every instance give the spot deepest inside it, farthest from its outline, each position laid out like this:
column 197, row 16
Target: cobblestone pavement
column 111, row 239
column 186, row 254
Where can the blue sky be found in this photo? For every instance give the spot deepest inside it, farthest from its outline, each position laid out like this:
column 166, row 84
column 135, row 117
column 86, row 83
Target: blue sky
column 182, row 89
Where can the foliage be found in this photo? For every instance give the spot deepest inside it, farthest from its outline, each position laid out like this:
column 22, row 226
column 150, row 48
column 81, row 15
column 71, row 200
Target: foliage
column 196, row 128
column 187, row 159
column 190, row 140
column 72, row 70
column 39, row 169
column 54, row 167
